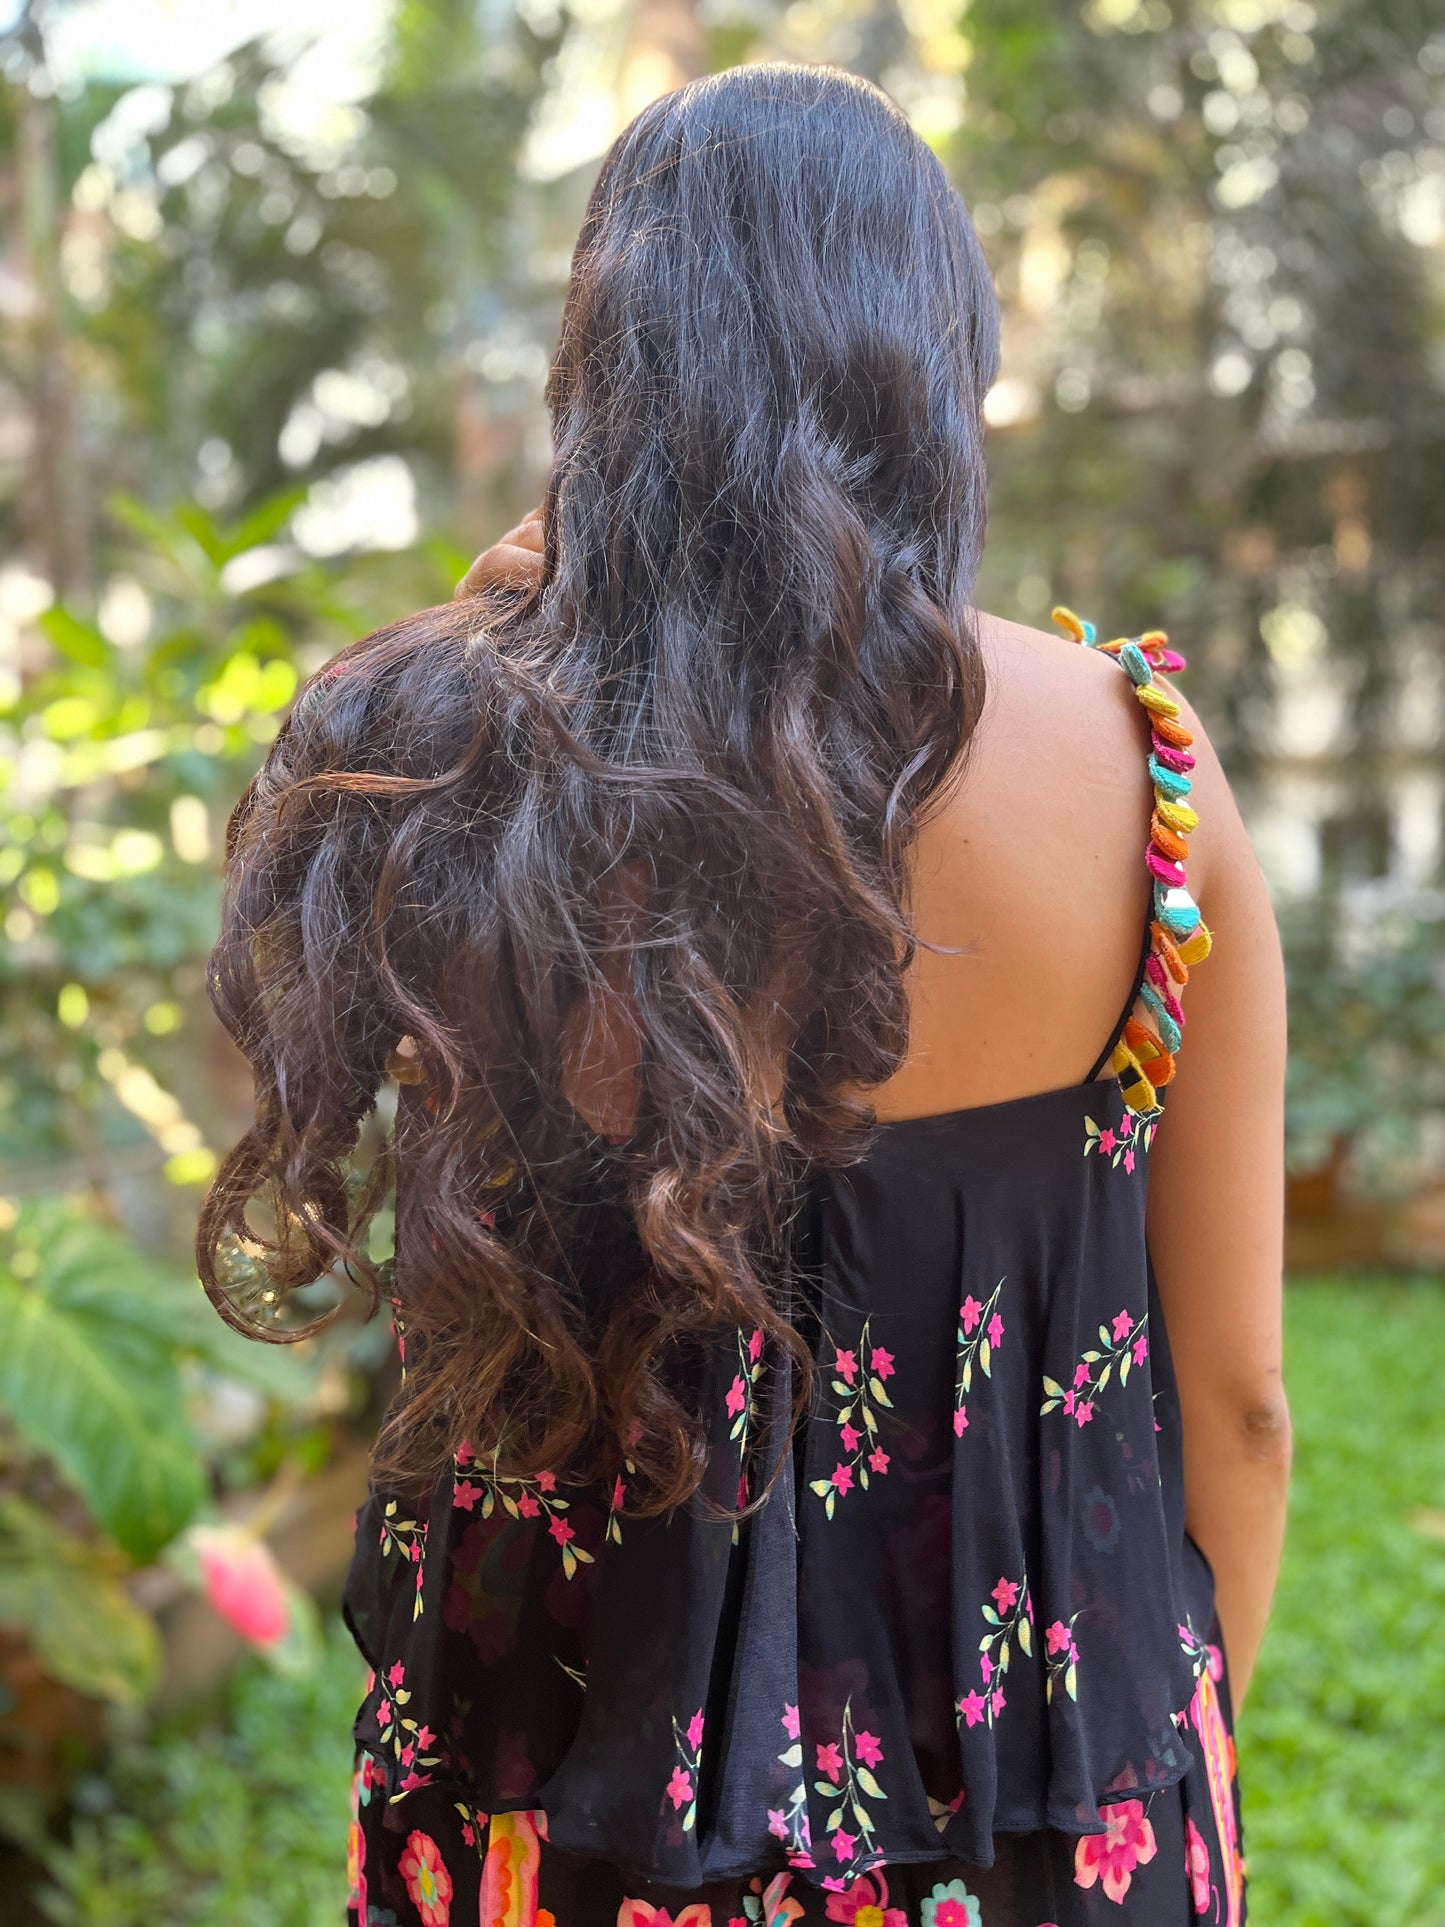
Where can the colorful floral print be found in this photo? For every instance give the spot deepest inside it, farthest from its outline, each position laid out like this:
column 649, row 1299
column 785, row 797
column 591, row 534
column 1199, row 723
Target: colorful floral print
column 509, row 1872
column 980, row 1333
column 1217, row 1747
column 1121, row 1143
column 637, row 1913
column 858, row 1392
column 619, row 1485
column 521, row 1498
column 1009, row 1620
column 790, row 1823
column 682, row 1787
column 845, row 1776
column 741, row 1404
column 770, row 1906
column 428, row 1884
column 1111, row 1857
column 1125, row 1344
column 410, row 1743
column 1196, row 1865
column 1061, row 1658
column 407, row 1538
column 863, row 1902
column 951, row 1905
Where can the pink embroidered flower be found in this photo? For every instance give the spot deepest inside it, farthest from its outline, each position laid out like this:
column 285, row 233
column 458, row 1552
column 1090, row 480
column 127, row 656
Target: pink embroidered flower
column 634, row 1433
column 969, row 1312
column 694, row 1730
column 428, row 1883
column 560, row 1531
column 960, row 1422
column 1081, row 1376
column 850, row 1436
column 1084, row 1411
column 755, row 1347
column 847, row 1366
column 869, row 1748
column 995, row 1331
column 878, row 1459
column 1057, row 1637
column 830, row 1762
column 465, row 1494
column 679, row 1788
column 972, row 1706
column 737, row 1398
column 1069, row 1399
column 464, row 1455
column 1107, row 1140
column 863, row 1902
column 528, row 1506
column 1005, row 1594
column 843, row 1477
column 1113, row 1855
column 546, row 1481
column 777, row 1823
column 1141, row 1350
column 1123, row 1325
column 411, row 1781
column 1196, row 1864
column 985, row 1666
column 640, row 1913
column 619, row 1493
column 882, row 1362
column 791, row 1723
column 1129, row 1159
column 998, row 1701
column 844, row 1843
column 396, row 1675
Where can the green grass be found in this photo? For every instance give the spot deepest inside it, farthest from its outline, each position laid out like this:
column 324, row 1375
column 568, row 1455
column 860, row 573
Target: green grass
column 1342, row 1743
column 1342, row 1749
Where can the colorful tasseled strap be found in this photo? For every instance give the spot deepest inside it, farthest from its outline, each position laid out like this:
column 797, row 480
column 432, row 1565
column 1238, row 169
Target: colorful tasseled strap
column 1143, row 1058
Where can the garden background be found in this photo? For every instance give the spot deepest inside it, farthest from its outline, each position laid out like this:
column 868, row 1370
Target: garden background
column 278, row 286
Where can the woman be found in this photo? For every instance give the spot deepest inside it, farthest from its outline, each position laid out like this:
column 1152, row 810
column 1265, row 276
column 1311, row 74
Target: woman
column 783, row 1515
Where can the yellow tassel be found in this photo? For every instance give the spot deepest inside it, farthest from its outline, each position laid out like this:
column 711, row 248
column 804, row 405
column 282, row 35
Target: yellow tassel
column 1178, row 816
column 1138, row 1092
column 1154, row 700
column 1197, row 945
column 1068, row 622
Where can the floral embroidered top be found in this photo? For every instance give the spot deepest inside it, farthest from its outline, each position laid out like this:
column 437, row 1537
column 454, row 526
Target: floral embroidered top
column 968, row 1607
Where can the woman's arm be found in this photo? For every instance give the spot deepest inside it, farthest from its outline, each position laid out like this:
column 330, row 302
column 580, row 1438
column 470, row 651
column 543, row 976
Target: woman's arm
column 1216, row 1208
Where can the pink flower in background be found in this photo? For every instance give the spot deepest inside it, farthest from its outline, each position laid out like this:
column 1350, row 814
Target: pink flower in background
column 428, row 1883
column 998, row 1701
column 465, row 1494
column 1084, row 1411
column 242, row 1582
column 792, row 1724
column 1129, row 1159
column 560, row 1531
column 1081, row 1376
column 546, row 1481
column 679, row 1789
column 863, row 1902
column 1113, row 1855
column 878, row 1459
column 777, row 1823
column 1196, row 1863
column 1057, row 1636
column 1107, row 1141
column 985, row 1666
column 755, row 1347
column 850, row 1436
column 1141, row 1350
column 843, row 1477
column 396, row 1675
column 528, row 1506
column 844, row 1843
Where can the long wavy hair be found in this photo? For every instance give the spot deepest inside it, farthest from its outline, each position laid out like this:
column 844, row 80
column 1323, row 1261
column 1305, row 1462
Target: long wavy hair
column 668, row 790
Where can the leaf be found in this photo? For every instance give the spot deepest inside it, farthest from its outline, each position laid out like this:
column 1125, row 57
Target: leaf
column 875, row 1386
column 1003, row 1655
column 1124, row 1364
column 860, row 1814
column 968, row 1374
column 1053, row 1388
column 863, row 1477
column 829, row 1502
column 1049, row 1405
column 793, row 1756
column 79, row 642
column 991, row 1618
column 1071, row 1681
column 1104, row 1338
column 266, row 521
column 1026, row 1638
column 1091, row 1358
column 835, row 1820
column 1103, row 1378
column 869, row 1785
column 821, row 1486
column 89, row 1376
column 985, row 1355
column 844, row 1391
column 65, row 1595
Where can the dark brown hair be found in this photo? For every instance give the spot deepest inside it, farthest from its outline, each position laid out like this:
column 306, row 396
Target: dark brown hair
column 746, row 667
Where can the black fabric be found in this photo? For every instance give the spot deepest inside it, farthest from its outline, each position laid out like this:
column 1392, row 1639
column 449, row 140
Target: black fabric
column 967, row 1618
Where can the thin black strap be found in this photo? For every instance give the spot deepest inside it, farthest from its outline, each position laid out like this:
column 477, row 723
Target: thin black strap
column 1124, row 1015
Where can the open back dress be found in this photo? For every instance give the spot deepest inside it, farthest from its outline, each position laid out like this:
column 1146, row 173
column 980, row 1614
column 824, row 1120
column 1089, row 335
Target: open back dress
column 960, row 1669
